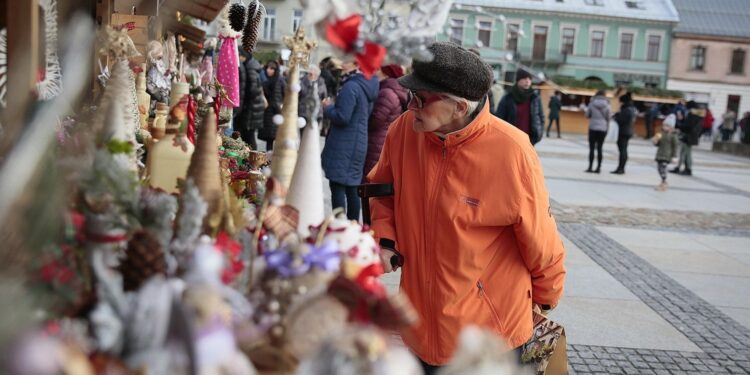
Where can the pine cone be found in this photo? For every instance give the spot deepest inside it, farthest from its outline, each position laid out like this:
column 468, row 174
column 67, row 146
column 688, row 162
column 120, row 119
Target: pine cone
column 250, row 33
column 237, row 17
column 144, row 258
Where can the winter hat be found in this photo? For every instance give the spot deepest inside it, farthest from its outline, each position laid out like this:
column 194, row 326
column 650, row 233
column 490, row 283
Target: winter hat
column 393, row 71
column 521, row 74
column 670, row 121
column 627, row 98
column 691, row 104
column 453, row 70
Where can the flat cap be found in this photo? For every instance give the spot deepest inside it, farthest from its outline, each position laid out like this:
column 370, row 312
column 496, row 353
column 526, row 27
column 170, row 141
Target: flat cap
column 453, row 70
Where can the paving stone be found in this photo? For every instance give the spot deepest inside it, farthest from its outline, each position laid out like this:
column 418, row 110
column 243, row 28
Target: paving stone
column 580, row 368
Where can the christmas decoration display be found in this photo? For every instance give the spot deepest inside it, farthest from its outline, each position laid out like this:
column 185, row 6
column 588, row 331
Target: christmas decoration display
column 157, row 82
column 255, row 13
column 237, row 17
column 287, row 136
column 226, row 71
column 50, row 86
column 3, row 65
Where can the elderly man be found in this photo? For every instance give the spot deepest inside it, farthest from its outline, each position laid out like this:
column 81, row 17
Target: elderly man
column 470, row 220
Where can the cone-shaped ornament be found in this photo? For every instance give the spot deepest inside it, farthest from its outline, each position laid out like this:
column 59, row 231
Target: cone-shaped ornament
column 306, row 189
column 204, row 169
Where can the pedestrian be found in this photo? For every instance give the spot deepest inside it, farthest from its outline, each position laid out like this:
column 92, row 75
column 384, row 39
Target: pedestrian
column 690, row 131
column 598, row 113
column 497, row 93
column 309, row 81
column 330, row 71
column 680, row 112
column 625, row 119
column 555, row 104
column 390, row 104
column 708, row 124
column 653, row 113
column 470, row 219
column 273, row 90
column 666, row 142
column 744, row 130
column 345, row 149
column 249, row 115
column 728, row 123
column 522, row 107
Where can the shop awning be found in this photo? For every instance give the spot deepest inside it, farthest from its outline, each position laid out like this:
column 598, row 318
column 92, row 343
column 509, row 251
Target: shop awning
column 206, row 10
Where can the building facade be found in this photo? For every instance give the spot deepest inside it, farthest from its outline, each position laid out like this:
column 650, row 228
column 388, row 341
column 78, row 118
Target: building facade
column 709, row 54
column 614, row 41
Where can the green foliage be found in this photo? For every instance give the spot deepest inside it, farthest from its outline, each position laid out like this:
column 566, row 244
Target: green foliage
column 266, row 56
column 648, row 91
column 581, row 84
column 117, row 146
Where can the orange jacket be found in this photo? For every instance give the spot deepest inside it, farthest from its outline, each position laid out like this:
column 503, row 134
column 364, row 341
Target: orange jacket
column 471, row 217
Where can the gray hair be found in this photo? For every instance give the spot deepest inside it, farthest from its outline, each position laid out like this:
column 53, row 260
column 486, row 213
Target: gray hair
column 472, row 105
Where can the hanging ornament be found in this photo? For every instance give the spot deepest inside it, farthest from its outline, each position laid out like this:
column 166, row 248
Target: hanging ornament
column 237, row 17
column 255, row 13
column 345, row 35
column 51, row 84
column 3, row 65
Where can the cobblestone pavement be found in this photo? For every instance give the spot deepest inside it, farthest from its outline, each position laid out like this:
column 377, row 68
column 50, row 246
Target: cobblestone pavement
column 724, row 342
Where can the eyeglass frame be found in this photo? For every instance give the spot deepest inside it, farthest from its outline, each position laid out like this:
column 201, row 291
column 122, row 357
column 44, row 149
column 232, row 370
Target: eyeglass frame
column 421, row 103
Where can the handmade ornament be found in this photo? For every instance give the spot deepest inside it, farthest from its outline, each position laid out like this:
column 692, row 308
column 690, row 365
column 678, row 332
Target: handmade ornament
column 144, row 258
column 204, row 170
column 227, row 73
column 255, row 13
column 481, row 352
column 144, row 99
column 169, row 159
column 287, row 136
column 51, row 85
column 157, row 81
column 159, row 126
column 189, row 223
column 306, row 187
column 237, row 17
column 3, row 66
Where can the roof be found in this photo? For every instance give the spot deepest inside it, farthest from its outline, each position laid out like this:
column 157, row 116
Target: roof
column 649, row 10
column 728, row 18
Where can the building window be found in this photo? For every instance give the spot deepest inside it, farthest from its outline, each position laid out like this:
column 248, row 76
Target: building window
column 484, row 33
column 595, row 2
column 540, row 43
column 597, row 43
column 654, row 45
column 697, row 58
column 568, row 40
column 296, row 19
column 512, row 43
column 626, row 46
column 738, row 61
column 457, row 31
column 269, row 24
column 635, row 5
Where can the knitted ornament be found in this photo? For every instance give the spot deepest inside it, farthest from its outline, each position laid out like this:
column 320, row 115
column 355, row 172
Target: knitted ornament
column 237, row 17
column 255, row 14
column 144, row 258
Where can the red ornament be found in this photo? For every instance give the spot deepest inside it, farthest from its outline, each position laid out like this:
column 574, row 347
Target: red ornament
column 191, row 110
column 344, row 33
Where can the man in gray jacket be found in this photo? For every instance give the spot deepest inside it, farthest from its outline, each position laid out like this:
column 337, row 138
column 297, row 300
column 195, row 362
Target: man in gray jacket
column 598, row 113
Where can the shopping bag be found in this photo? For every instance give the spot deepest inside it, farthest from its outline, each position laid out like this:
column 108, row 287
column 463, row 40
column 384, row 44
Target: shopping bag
column 546, row 351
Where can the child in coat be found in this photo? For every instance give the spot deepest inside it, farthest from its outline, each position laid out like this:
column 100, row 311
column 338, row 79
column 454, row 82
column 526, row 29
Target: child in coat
column 667, row 149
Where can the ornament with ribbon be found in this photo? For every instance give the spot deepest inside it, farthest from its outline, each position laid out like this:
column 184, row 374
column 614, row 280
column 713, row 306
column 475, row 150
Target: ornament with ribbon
column 345, row 34
column 288, row 264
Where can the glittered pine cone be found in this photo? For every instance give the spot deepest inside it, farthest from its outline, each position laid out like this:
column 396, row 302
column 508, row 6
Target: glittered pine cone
column 250, row 33
column 237, row 17
column 144, row 258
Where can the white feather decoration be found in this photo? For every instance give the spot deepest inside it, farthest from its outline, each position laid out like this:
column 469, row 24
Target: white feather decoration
column 3, row 65
column 51, row 86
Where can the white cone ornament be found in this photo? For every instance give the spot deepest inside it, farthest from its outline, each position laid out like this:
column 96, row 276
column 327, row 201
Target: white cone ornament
column 306, row 189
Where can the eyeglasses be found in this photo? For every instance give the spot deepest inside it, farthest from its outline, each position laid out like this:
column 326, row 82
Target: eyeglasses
column 421, row 102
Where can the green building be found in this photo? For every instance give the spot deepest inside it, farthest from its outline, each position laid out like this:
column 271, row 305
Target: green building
column 617, row 42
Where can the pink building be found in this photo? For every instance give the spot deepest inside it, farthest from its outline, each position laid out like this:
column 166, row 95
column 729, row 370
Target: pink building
column 709, row 61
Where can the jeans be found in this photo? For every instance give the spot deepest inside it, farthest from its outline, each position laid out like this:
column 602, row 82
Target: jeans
column 686, row 156
column 622, row 147
column 345, row 197
column 661, row 167
column 596, row 141
column 549, row 127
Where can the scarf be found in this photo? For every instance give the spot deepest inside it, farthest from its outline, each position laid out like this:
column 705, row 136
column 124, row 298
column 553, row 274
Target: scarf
column 519, row 95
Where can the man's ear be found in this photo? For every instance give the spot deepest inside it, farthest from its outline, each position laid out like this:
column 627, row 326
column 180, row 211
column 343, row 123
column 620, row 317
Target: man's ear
column 462, row 109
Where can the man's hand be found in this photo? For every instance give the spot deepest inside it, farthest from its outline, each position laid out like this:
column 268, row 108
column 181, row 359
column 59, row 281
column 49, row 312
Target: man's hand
column 385, row 258
column 327, row 102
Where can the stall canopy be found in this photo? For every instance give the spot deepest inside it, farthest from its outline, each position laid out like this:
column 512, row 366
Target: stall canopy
column 206, row 10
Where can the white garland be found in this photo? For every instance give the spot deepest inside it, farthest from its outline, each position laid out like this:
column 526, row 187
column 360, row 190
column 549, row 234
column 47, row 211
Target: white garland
column 3, row 65
column 51, row 86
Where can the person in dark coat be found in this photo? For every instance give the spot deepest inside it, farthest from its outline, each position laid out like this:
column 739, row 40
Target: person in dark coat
column 391, row 103
column 273, row 89
column 249, row 116
column 555, row 105
column 690, row 133
column 522, row 107
column 625, row 120
column 346, row 145
column 651, row 116
column 307, row 100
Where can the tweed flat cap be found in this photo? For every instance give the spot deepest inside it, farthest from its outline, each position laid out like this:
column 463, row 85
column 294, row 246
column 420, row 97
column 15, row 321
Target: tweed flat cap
column 453, row 70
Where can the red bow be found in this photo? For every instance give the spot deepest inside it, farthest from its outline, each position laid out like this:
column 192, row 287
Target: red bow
column 343, row 34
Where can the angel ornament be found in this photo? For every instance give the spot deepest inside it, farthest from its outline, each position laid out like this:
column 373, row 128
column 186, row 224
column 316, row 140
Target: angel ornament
column 157, row 79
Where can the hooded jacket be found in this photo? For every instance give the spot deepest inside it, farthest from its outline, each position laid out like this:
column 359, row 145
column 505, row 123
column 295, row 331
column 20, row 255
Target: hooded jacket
column 250, row 112
column 390, row 104
column 598, row 114
column 346, row 146
column 692, row 127
column 471, row 217
column 273, row 89
column 506, row 110
column 625, row 119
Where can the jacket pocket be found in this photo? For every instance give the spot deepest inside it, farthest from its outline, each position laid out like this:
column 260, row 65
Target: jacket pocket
column 490, row 306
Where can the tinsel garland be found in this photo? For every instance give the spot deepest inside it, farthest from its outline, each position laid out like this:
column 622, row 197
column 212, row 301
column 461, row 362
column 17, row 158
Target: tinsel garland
column 255, row 13
column 51, row 85
column 237, row 17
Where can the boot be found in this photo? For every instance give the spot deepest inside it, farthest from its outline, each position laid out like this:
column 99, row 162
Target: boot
column 589, row 170
column 618, row 171
column 675, row 170
column 687, row 172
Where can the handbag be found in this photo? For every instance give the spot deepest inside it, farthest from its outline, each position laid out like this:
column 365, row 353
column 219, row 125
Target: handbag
column 546, row 352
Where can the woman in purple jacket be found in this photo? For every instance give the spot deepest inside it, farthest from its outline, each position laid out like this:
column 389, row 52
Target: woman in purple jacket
column 391, row 102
